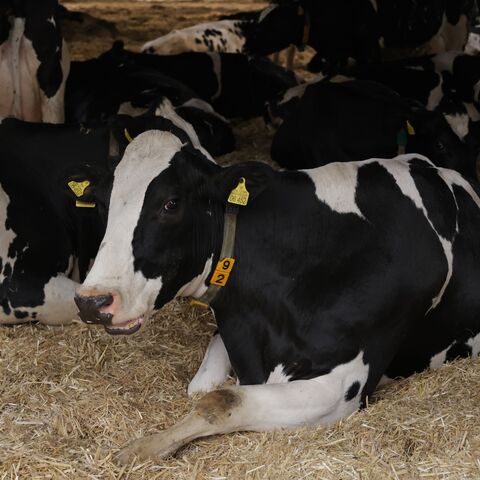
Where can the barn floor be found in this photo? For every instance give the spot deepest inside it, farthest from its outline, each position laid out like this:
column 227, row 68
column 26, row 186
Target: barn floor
column 71, row 396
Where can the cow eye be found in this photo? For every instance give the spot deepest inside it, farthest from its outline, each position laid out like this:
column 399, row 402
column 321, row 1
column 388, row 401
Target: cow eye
column 440, row 146
column 170, row 205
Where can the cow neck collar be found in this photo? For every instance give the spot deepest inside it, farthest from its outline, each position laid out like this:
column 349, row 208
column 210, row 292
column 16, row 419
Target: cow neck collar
column 226, row 260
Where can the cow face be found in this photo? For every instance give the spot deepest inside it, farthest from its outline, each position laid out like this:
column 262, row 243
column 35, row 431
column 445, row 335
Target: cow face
column 152, row 248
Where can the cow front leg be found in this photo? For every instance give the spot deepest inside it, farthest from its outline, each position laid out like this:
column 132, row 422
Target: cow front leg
column 214, row 368
column 321, row 400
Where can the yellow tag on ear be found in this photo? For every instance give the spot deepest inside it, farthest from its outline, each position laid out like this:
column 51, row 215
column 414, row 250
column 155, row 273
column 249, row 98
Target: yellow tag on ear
column 410, row 129
column 127, row 135
column 239, row 195
column 80, row 204
column 78, row 188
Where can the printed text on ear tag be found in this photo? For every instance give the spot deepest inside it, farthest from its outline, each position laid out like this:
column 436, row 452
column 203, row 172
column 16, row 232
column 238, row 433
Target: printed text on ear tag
column 222, row 271
column 239, row 195
column 78, row 188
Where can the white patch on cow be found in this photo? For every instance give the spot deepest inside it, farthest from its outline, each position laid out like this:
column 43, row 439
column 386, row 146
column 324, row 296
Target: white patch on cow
column 444, row 61
column 204, row 106
column 436, row 95
column 277, row 375
column 214, row 368
column 458, row 123
column 439, row 359
column 476, row 91
column 407, row 186
column 374, row 5
column 7, row 236
column 145, row 158
column 452, row 177
column 217, row 70
column 126, row 108
column 166, row 110
column 473, row 44
column 385, row 380
column 265, row 12
column 474, row 344
column 472, row 111
column 52, row 21
column 219, row 36
column 197, row 286
column 336, row 185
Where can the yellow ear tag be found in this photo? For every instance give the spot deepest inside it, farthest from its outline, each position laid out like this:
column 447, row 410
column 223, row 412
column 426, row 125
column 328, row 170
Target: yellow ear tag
column 410, row 129
column 239, row 195
column 127, row 135
column 80, row 204
column 78, row 188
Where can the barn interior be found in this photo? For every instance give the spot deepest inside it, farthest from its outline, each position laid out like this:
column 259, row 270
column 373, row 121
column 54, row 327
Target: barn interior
column 71, row 396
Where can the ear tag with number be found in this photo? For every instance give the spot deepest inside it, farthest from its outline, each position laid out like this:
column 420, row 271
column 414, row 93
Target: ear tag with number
column 239, row 195
column 78, row 188
column 410, row 129
column 222, row 271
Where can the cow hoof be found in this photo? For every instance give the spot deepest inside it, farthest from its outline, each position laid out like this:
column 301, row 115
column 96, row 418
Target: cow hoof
column 146, row 448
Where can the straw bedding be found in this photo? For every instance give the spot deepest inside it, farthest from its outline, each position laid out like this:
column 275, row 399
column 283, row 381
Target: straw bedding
column 71, row 396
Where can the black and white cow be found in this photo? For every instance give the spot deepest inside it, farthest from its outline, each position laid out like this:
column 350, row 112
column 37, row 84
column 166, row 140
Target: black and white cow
column 34, row 61
column 363, row 30
column 361, row 119
column 227, row 36
column 332, row 290
column 235, row 85
column 47, row 243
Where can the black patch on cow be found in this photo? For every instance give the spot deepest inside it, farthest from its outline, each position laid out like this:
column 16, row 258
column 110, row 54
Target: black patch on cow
column 437, row 198
column 20, row 314
column 352, row 391
column 458, row 350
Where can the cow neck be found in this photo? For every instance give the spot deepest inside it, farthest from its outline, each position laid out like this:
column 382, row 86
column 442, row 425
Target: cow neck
column 226, row 260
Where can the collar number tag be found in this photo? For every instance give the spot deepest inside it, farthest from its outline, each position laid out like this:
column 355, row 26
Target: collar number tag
column 239, row 195
column 222, row 271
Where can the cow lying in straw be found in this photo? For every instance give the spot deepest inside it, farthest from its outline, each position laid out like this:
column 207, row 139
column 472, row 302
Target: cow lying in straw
column 323, row 282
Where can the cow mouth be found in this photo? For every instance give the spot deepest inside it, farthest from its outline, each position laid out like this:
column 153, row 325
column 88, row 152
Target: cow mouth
column 126, row 328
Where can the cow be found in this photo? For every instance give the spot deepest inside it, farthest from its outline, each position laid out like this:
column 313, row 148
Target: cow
column 236, row 86
column 34, row 61
column 323, row 282
column 361, row 119
column 49, row 229
column 363, row 31
column 227, row 36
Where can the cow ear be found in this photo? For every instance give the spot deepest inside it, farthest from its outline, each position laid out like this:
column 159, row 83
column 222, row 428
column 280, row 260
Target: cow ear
column 82, row 185
column 250, row 176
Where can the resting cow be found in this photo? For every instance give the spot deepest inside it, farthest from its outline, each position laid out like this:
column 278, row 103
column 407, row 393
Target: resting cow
column 361, row 119
column 47, row 243
column 235, row 85
column 34, row 61
column 333, row 278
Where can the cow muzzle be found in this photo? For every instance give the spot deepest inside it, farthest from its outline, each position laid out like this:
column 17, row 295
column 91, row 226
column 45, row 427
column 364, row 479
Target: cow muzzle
column 95, row 308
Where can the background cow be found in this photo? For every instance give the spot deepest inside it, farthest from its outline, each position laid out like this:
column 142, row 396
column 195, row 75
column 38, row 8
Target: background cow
column 34, row 61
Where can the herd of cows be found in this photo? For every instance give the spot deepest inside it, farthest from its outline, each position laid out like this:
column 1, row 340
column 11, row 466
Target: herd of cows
column 355, row 263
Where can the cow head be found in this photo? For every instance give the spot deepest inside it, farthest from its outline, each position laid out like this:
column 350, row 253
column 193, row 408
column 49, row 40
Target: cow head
column 163, row 231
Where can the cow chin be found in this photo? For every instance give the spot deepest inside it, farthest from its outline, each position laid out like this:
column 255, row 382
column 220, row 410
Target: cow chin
column 127, row 328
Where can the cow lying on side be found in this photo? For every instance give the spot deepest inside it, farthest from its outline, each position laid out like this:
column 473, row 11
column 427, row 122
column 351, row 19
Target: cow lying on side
column 236, row 86
column 359, row 120
column 335, row 278
column 47, row 242
column 34, row 61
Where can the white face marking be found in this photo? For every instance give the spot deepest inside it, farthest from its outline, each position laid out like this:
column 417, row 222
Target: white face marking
column 214, row 369
column 436, row 95
column 166, row 110
column 192, row 39
column 327, row 179
column 278, row 376
column 145, row 158
column 459, row 124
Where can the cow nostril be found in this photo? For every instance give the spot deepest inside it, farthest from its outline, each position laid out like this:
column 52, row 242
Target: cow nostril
column 90, row 308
